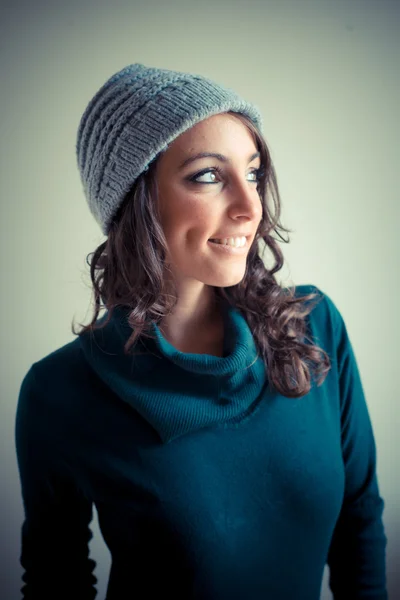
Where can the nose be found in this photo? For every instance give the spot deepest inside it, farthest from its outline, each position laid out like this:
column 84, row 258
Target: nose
column 244, row 199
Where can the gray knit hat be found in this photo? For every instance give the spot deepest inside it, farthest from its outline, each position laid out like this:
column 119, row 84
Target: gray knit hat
column 132, row 118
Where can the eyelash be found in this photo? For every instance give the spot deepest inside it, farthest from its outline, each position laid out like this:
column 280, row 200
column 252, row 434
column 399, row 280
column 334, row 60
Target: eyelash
column 259, row 172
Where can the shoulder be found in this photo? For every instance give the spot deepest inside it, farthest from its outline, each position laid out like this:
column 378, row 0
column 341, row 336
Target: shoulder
column 324, row 320
column 324, row 304
column 59, row 365
column 51, row 384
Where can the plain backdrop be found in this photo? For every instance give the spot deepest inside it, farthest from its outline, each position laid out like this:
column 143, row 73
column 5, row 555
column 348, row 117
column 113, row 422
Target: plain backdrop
column 325, row 75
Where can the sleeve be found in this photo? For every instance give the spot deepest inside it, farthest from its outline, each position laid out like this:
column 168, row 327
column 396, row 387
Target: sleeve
column 356, row 557
column 55, row 531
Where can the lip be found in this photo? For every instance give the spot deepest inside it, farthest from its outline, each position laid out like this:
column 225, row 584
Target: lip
column 223, row 237
column 230, row 250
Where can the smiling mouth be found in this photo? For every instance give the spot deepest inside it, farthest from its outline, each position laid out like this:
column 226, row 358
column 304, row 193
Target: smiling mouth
column 228, row 250
column 234, row 245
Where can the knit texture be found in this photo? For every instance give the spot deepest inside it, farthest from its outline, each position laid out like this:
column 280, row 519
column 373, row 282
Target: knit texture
column 134, row 116
column 208, row 485
column 226, row 387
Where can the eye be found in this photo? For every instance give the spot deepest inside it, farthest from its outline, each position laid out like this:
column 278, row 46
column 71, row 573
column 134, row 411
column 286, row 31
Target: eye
column 260, row 172
column 255, row 175
column 211, row 172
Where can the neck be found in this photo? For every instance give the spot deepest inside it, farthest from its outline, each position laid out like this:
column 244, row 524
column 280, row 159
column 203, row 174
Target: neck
column 195, row 325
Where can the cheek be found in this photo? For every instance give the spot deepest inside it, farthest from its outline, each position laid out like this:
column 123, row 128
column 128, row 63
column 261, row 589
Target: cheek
column 202, row 212
column 187, row 218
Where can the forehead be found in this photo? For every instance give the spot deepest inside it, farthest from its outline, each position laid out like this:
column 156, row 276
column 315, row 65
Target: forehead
column 219, row 133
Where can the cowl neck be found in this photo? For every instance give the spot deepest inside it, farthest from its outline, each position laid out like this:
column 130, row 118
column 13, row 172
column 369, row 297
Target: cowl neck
column 176, row 392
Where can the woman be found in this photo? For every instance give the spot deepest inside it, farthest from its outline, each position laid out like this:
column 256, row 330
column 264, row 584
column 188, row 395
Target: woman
column 216, row 419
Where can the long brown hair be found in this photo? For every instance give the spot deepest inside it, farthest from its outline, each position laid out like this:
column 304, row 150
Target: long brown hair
column 128, row 269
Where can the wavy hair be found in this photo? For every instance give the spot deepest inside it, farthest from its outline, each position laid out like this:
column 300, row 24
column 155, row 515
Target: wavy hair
column 128, row 269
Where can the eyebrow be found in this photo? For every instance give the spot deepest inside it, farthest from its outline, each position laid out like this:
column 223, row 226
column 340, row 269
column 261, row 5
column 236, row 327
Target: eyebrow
column 216, row 155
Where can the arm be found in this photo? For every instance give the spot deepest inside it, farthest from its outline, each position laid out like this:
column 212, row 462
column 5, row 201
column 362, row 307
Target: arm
column 55, row 532
column 357, row 552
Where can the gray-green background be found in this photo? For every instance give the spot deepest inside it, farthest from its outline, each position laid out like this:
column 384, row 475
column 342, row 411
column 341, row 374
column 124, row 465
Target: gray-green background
column 326, row 76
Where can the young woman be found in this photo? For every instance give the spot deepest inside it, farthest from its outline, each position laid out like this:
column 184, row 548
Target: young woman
column 215, row 419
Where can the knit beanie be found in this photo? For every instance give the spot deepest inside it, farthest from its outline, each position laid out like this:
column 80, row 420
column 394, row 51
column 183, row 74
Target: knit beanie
column 134, row 116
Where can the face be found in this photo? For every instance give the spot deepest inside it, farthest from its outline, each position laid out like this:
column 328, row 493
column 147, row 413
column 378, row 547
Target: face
column 209, row 197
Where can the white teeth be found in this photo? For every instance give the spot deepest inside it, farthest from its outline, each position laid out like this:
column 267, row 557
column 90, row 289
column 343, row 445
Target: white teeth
column 236, row 242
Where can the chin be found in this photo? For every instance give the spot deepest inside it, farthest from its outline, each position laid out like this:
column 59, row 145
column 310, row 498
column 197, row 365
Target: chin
column 224, row 281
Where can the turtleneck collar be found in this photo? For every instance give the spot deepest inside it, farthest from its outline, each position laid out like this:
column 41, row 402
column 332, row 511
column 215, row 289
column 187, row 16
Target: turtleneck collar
column 176, row 392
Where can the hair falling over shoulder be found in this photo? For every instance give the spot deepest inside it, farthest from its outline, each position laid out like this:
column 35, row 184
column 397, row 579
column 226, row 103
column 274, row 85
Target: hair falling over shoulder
column 128, row 269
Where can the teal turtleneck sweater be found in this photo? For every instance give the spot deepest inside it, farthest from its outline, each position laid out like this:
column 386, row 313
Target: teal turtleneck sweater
column 207, row 484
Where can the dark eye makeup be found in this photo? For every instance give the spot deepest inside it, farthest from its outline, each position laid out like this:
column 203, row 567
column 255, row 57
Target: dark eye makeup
column 259, row 173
